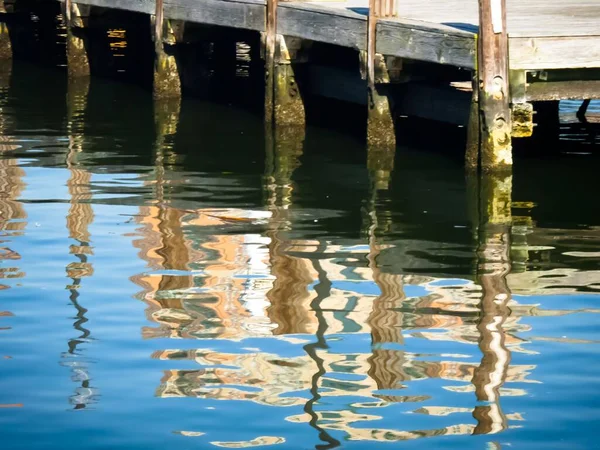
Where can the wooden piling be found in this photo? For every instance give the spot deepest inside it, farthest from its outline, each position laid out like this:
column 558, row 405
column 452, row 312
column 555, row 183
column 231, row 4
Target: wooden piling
column 493, row 77
column 167, row 81
column 5, row 43
column 380, row 125
column 270, row 38
column 77, row 58
column 283, row 99
column 521, row 110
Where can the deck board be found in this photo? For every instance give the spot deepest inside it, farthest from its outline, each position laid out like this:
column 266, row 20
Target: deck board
column 531, row 18
column 543, row 34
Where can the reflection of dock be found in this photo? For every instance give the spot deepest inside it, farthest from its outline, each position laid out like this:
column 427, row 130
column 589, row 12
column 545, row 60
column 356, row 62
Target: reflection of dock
column 79, row 220
column 364, row 335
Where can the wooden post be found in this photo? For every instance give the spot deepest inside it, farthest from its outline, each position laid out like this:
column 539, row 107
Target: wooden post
column 270, row 41
column 473, row 130
column 521, row 110
column 380, row 125
column 5, row 44
column 77, row 58
column 167, row 82
column 283, row 99
column 495, row 119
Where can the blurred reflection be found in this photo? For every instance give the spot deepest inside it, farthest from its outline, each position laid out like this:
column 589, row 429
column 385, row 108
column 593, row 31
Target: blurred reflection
column 334, row 293
column 324, row 328
column 493, row 267
column 79, row 219
column 289, row 297
column 163, row 245
column 12, row 212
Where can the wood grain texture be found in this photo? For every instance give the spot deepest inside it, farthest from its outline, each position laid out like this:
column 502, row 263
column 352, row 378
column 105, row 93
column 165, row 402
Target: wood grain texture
column 555, row 52
column 339, row 27
column 141, row 6
column 249, row 15
column 563, row 90
column 415, row 40
column 543, row 34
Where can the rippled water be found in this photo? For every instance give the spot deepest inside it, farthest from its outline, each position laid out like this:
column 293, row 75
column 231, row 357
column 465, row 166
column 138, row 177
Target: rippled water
column 164, row 284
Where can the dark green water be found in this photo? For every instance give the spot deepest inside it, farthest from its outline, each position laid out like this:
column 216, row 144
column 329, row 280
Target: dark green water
column 190, row 284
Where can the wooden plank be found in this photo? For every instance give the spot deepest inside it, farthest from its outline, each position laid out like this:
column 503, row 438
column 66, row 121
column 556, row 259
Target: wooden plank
column 317, row 23
column 339, row 84
column 563, row 90
column 555, row 52
column 140, row 6
column 248, row 14
column 544, row 35
column 418, row 40
column 449, row 105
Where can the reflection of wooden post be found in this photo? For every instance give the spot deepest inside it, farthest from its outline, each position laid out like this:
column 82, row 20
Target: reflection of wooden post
column 76, row 20
column 79, row 220
column 289, row 296
column 5, row 44
column 80, row 214
column 385, row 322
column 493, row 267
column 167, row 81
column 496, row 147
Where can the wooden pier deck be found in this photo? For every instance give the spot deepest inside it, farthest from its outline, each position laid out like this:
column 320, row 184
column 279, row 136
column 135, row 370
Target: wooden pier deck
column 543, row 35
column 507, row 54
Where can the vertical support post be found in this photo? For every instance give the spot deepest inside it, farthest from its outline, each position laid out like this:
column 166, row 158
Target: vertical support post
column 5, row 44
column 521, row 110
column 495, row 120
column 381, row 134
column 270, row 41
column 77, row 59
column 473, row 130
column 283, row 100
column 167, row 82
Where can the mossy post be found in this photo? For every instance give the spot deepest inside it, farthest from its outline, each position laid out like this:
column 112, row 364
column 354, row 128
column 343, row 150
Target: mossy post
column 522, row 111
column 5, row 44
column 493, row 78
column 473, row 130
column 381, row 133
column 76, row 17
column 167, row 81
column 283, row 100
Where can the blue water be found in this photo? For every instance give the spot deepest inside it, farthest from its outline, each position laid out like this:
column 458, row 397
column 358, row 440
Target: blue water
column 172, row 290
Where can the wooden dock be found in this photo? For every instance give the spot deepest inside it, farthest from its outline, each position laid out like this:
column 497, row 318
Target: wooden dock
column 524, row 52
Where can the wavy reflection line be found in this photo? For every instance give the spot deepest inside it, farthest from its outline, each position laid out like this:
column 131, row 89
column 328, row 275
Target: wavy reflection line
column 12, row 211
column 79, row 218
column 386, row 367
column 493, row 267
column 323, row 290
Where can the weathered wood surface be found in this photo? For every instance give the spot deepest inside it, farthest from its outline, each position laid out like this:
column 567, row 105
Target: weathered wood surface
column 494, row 92
column 543, row 34
column 563, row 90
